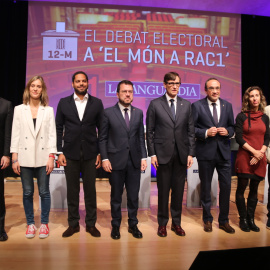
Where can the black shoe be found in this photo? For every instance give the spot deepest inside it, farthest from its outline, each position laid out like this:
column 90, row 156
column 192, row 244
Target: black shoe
column 70, row 231
column 3, row 236
column 93, row 231
column 244, row 225
column 252, row 225
column 115, row 234
column 135, row 231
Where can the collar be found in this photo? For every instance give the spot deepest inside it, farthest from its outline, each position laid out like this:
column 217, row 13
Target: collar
column 210, row 102
column 169, row 98
column 123, row 107
column 77, row 98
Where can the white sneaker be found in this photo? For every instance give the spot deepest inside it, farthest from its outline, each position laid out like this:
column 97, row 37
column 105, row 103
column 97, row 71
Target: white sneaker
column 44, row 231
column 31, row 231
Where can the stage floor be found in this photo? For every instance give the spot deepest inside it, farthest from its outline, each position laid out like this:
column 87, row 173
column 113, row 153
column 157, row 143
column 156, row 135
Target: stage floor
column 82, row 251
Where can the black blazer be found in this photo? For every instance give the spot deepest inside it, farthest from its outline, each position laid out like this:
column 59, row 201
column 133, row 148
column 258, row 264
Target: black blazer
column 6, row 115
column 77, row 135
column 203, row 120
column 163, row 133
column 116, row 141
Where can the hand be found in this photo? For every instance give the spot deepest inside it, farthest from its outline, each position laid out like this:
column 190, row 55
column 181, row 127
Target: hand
column 4, row 162
column 50, row 165
column 106, row 165
column 143, row 165
column 222, row 131
column 254, row 161
column 154, row 161
column 62, row 160
column 258, row 154
column 98, row 162
column 211, row 132
column 189, row 161
column 16, row 167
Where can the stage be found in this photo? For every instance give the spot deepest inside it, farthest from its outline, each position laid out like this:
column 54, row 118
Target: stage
column 82, row 251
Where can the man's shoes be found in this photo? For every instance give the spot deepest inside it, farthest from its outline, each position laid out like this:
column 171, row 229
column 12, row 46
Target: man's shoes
column 70, row 231
column 268, row 224
column 178, row 230
column 3, row 236
column 43, row 231
column 227, row 228
column 207, row 226
column 162, row 232
column 135, row 231
column 31, row 231
column 115, row 234
column 93, row 231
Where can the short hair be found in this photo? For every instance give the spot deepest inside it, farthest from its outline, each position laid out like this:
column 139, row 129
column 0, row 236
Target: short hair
column 44, row 99
column 79, row 72
column 171, row 76
column 210, row 79
column 246, row 105
column 124, row 82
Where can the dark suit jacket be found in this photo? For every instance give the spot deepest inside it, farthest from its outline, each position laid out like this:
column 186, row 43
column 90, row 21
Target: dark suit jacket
column 203, row 120
column 116, row 141
column 78, row 135
column 163, row 133
column 6, row 115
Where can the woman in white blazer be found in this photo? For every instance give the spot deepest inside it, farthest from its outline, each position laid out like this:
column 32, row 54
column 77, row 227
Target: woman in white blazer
column 33, row 145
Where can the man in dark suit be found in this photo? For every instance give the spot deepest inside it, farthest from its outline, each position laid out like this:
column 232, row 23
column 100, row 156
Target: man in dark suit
column 171, row 146
column 123, row 153
column 77, row 118
column 214, row 126
column 6, row 113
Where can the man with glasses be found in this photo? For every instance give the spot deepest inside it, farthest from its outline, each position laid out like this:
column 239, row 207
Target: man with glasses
column 123, row 153
column 171, row 146
column 214, row 126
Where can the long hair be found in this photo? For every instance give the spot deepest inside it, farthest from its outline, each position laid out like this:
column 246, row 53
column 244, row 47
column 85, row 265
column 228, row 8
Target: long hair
column 246, row 105
column 44, row 99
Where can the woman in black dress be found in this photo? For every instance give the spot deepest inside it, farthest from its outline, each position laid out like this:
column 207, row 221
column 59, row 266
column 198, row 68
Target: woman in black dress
column 252, row 135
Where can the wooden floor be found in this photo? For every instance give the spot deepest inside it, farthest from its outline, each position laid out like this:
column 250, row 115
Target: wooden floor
column 81, row 251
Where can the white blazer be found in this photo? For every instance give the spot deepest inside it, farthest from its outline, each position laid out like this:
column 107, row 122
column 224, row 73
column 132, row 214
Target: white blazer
column 33, row 145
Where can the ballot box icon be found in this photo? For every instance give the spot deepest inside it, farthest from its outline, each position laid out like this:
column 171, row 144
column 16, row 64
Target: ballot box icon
column 60, row 44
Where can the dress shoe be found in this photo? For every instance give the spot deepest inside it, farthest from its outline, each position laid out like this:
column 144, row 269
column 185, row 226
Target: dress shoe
column 207, row 226
column 70, row 231
column 268, row 224
column 135, row 231
column 93, row 231
column 244, row 225
column 115, row 234
column 227, row 228
column 178, row 230
column 3, row 236
column 162, row 232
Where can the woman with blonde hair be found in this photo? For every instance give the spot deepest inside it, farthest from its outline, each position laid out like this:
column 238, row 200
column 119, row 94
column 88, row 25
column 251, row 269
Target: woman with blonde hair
column 33, row 145
column 252, row 135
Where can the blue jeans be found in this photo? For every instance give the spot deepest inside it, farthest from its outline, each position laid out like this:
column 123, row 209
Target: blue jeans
column 27, row 175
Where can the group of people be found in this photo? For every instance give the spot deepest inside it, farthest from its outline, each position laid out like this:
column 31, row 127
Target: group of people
column 85, row 137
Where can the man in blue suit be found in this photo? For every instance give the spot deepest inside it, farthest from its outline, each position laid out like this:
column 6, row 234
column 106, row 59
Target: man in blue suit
column 214, row 126
column 123, row 153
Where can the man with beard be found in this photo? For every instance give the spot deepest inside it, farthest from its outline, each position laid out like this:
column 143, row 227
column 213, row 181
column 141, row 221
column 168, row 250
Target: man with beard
column 123, row 153
column 77, row 120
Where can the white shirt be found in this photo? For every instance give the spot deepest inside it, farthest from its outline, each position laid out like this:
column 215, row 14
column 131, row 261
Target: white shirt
column 211, row 110
column 122, row 109
column 169, row 102
column 81, row 104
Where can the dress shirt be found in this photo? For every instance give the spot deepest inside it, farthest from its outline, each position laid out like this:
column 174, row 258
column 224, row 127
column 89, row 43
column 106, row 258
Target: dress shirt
column 169, row 101
column 122, row 109
column 81, row 104
column 211, row 110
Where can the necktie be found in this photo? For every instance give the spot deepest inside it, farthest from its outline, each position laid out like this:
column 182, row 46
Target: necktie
column 126, row 117
column 215, row 116
column 172, row 108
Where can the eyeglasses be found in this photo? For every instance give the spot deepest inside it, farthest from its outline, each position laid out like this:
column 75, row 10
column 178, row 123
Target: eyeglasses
column 177, row 84
column 127, row 92
column 213, row 88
